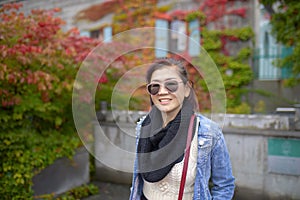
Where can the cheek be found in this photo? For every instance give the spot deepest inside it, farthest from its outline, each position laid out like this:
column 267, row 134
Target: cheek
column 180, row 98
column 181, row 94
column 154, row 99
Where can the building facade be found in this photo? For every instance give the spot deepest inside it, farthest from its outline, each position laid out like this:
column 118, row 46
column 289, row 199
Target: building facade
column 268, row 84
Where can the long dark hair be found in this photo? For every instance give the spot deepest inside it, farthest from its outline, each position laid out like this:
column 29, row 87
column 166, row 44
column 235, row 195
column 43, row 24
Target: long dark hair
column 179, row 64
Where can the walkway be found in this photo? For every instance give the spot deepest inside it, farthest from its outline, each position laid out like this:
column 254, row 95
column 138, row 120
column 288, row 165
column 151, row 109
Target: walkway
column 110, row 191
column 113, row 191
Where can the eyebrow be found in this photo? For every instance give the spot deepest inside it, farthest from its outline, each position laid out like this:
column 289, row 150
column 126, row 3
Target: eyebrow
column 164, row 80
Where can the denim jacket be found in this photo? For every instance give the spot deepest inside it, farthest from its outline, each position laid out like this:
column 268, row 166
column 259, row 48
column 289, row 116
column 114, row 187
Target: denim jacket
column 213, row 164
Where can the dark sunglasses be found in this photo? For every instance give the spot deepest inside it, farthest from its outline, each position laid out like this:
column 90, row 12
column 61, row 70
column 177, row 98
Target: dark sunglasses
column 170, row 85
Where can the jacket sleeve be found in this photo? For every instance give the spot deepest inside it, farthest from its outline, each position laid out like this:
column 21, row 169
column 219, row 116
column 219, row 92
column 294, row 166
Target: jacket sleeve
column 137, row 183
column 221, row 174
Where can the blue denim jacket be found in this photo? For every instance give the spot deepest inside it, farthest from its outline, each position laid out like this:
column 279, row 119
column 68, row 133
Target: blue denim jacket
column 213, row 164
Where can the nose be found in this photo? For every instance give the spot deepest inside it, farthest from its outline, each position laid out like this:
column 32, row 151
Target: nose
column 162, row 90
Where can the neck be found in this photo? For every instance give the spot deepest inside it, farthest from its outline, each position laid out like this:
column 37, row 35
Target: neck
column 167, row 117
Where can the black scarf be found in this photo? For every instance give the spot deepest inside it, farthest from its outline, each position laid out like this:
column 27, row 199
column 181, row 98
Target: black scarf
column 159, row 149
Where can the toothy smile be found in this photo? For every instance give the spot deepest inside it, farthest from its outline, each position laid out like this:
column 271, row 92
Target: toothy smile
column 165, row 100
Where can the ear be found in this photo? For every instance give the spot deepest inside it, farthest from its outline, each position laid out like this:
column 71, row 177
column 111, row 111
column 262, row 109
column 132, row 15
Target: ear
column 187, row 89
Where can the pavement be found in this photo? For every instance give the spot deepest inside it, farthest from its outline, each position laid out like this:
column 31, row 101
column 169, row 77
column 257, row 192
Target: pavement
column 111, row 191
column 114, row 191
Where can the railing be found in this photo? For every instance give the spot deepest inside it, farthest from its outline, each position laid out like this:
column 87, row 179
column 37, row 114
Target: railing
column 265, row 63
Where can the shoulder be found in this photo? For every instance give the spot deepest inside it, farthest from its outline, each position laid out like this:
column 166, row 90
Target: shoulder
column 208, row 127
column 139, row 125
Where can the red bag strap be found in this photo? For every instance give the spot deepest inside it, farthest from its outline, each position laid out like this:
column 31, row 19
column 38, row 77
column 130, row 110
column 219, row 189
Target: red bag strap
column 186, row 158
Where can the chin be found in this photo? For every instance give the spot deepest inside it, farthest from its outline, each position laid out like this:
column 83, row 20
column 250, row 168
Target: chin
column 162, row 109
column 166, row 110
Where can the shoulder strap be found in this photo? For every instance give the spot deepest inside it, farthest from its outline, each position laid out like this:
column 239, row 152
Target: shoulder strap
column 186, row 158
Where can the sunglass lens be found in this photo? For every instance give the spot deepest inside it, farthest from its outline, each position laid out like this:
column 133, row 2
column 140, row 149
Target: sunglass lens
column 153, row 88
column 172, row 86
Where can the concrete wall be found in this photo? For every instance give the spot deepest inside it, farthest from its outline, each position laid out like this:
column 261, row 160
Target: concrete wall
column 254, row 121
column 252, row 168
column 257, row 176
column 114, row 151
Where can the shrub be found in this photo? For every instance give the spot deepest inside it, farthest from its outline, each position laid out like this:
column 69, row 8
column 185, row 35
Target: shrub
column 24, row 153
column 38, row 64
column 243, row 108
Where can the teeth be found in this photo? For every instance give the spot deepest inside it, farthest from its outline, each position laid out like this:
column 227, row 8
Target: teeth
column 164, row 100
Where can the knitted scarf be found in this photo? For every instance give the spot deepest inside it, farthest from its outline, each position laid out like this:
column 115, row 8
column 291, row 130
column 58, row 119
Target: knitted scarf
column 160, row 148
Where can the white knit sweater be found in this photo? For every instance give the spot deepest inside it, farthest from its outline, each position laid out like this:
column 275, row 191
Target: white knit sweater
column 168, row 187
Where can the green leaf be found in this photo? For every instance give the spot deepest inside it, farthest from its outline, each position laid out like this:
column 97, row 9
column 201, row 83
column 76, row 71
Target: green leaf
column 58, row 121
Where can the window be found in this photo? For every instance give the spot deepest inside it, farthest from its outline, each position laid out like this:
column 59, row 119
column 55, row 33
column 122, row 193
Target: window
column 104, row 34
column 107, row 34
column 172, row 36
column 266, row 44
column 95, row 34
column 267, row 55
column 178, row 39
column 286, row 71
column 194, row 39
column 268, row 52
column 161, row 38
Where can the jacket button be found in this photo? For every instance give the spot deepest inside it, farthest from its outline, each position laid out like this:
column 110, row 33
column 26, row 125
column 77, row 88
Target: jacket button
column 201, row 142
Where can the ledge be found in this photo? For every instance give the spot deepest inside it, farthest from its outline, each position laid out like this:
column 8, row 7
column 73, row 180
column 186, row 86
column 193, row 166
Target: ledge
column 256, row 132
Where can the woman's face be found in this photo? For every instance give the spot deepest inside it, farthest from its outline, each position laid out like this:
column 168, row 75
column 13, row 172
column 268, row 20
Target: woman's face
column 169, row 102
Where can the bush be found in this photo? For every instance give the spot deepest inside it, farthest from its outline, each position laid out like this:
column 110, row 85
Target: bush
column 38, row 64
column 76, row 193
column 243, row 108
column 38, row 67
column 24, row 153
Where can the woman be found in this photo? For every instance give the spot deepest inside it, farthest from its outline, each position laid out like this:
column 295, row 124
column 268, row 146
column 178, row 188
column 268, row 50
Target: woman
column 162, row 137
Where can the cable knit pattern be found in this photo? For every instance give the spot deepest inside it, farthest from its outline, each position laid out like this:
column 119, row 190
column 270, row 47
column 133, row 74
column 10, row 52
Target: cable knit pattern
column 168, row 187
